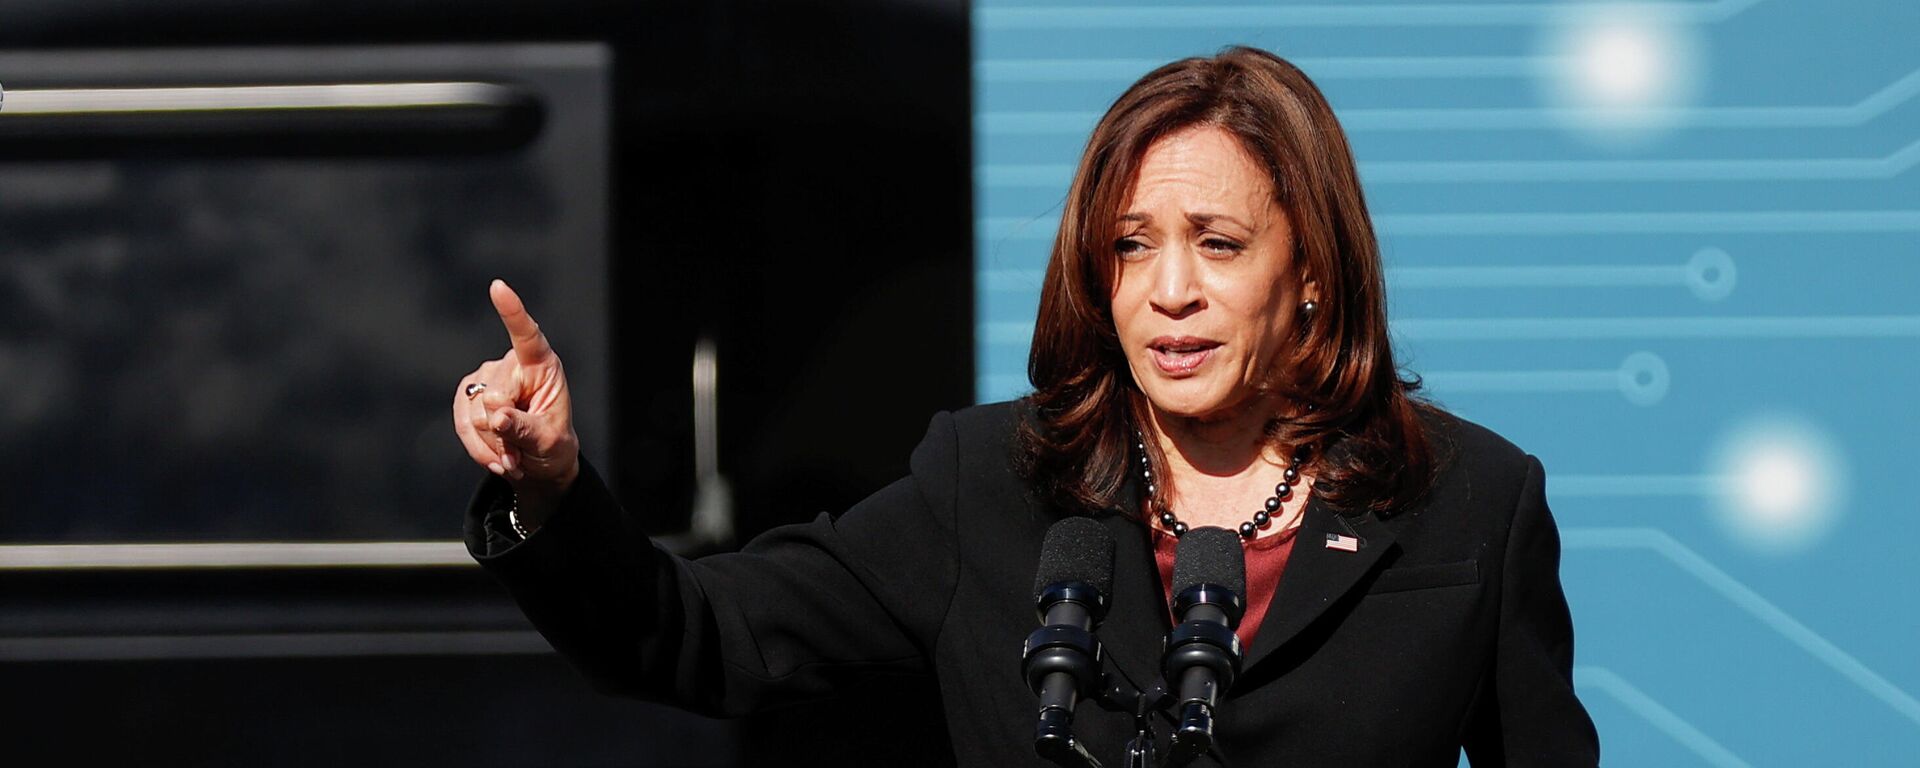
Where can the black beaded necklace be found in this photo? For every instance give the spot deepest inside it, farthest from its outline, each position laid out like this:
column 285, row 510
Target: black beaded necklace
column 1248, row 529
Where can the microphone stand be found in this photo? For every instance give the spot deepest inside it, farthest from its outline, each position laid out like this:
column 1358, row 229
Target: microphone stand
column 1142, row 752
column 1140, row 749
column 1054, row 738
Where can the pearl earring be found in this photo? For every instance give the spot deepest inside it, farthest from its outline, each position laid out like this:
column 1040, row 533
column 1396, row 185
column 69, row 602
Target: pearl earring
column 1308, row 307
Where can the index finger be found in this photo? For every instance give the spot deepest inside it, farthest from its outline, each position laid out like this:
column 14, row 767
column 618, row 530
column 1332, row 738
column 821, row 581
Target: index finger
column 529, row 344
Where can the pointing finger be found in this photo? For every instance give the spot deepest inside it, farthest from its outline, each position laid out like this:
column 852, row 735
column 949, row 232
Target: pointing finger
column 529, row 344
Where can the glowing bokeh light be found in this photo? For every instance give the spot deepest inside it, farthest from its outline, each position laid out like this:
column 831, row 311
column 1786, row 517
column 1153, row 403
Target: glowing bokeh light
column 1620, row 66
column 1781, row 483
column 1621, row 74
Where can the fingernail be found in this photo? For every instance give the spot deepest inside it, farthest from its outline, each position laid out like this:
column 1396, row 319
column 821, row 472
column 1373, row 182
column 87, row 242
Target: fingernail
column 507, row 461
column 497, row 469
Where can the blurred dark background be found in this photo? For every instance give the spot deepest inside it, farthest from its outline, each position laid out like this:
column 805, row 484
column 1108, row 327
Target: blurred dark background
column 238, row 328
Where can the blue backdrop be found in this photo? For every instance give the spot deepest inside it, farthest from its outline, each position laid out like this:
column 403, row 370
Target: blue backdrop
column 1669, row 248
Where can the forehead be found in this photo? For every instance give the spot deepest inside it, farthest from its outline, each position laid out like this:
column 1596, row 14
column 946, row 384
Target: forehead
column 1200, row 167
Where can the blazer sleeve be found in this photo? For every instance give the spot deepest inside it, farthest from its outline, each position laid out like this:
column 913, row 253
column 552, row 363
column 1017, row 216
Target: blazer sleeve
column 796, row 612
column 1527, row 713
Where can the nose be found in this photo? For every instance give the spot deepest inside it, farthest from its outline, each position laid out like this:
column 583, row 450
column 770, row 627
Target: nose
column 1176, row 282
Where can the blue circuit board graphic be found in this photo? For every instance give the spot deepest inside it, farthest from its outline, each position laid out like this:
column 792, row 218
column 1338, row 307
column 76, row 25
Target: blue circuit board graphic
column 1671, row 248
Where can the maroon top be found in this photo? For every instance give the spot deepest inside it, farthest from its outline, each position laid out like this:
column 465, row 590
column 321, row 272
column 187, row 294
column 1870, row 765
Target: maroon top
column 1266, row 559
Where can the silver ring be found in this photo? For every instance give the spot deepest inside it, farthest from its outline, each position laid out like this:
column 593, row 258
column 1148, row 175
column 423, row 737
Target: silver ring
column 475, row 389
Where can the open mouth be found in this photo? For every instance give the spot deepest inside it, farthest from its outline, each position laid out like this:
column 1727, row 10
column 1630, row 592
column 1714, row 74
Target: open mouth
column 1182, row 355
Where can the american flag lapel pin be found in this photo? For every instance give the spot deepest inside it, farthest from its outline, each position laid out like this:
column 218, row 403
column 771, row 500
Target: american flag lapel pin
column 1343, row 543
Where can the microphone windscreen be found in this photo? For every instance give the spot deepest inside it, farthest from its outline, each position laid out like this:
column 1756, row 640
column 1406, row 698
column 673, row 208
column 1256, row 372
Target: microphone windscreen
column 1210, row 556
column 1076, row 549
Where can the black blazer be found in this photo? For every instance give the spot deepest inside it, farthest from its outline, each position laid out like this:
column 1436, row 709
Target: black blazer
column 1447, row 627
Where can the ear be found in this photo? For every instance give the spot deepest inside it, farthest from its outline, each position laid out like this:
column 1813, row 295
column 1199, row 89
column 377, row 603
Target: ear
column 1310, row 290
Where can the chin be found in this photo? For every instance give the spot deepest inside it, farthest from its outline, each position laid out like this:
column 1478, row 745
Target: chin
column 1186, row 398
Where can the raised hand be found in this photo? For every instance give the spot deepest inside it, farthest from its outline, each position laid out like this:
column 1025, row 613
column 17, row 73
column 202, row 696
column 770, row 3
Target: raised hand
column 515, row 415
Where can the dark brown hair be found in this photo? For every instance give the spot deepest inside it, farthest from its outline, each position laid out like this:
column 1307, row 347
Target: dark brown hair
column 1086, row 404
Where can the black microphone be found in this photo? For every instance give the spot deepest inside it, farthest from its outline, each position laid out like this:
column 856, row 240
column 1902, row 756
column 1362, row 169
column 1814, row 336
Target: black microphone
column 1202, row 655
column 1062, row 658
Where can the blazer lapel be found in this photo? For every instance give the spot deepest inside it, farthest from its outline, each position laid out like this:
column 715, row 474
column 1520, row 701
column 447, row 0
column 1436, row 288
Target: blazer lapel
column 1317, row 575
column 1137, row 622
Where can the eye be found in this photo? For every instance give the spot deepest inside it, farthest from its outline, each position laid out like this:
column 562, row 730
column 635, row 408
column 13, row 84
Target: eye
column 1129, row 248
column 1222, row 246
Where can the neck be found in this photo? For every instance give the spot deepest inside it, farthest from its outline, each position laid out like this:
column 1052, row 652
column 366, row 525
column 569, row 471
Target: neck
column 1219, row 468
column 1220, row 445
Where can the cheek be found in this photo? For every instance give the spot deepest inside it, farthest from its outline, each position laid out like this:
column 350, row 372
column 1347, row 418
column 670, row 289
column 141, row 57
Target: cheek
column 1253, row 300
column 1262, row 322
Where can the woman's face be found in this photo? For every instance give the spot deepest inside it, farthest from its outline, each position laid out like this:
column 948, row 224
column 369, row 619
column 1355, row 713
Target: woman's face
column 1208, row 292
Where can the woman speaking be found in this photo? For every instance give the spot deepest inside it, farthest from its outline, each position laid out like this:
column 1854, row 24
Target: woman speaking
column 1211, row 351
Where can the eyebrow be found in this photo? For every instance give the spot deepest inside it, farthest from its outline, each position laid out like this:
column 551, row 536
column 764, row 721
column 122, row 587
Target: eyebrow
column 1198, row 218
column 1207, row 219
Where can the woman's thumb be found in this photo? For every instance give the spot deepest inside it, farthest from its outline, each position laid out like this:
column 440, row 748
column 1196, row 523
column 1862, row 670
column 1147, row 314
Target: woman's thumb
column 513, row 426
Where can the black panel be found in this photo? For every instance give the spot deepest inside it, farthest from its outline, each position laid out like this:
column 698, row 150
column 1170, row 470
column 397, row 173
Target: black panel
column 234, row 344
column 790, row 180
